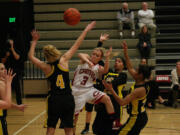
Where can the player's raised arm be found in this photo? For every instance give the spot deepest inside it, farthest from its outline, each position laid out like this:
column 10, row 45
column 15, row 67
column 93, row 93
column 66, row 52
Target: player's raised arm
column 131, row 70
column 42, row 65
column 105, row 69
column 6, row 102
column 68, row 55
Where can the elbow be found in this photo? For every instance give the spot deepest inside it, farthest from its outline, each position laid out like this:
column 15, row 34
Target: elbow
column 30, row 56
column 122, row 103
column 106, row 71
column 80, row 55
column 18, row 57
column 7, row 105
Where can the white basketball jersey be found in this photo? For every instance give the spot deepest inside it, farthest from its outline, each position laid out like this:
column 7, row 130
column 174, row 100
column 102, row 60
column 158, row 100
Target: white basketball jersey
column 84, row 76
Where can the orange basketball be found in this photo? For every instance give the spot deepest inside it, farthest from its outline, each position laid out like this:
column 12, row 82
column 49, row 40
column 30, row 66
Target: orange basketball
column 72, row 16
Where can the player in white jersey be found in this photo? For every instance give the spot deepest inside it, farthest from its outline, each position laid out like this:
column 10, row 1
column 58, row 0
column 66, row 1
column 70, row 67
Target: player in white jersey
column 84, row 78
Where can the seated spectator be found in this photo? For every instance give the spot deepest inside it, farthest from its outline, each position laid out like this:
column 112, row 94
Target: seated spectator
column 154, row 91
column 145, row 17
column 175, row 73
column 126, row 16
column 144, row 45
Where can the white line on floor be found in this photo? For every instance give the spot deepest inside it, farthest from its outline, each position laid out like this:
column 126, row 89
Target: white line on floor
column 35, row 118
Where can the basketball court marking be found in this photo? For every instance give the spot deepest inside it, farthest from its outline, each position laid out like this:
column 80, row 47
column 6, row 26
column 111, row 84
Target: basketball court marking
column 34, row 119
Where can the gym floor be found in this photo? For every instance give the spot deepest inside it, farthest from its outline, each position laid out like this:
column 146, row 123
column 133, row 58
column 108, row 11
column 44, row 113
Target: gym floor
column 162, row 120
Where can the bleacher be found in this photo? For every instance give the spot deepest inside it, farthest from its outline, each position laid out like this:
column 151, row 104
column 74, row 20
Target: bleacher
column 48, row 16
column 168, row 42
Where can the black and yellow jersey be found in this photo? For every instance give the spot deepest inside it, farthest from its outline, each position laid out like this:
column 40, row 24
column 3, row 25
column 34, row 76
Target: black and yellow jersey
column 118, row 81
column 59, row 79
column 3, row 113
column 137, row 106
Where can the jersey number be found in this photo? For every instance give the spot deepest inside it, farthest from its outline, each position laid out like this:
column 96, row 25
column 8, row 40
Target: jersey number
column 60, row 82
column 85, row 79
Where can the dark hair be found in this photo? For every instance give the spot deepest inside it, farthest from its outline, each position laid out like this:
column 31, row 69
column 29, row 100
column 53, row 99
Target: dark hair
column 177, row 61
column 123, row 61
column 145, row 70
column 143, row 28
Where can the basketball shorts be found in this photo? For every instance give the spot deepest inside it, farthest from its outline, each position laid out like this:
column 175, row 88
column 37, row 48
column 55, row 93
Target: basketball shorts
column 92, row 96
column 60, row 107
column 89, row 107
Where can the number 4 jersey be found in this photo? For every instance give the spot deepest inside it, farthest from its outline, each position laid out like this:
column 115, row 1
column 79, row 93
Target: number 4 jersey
column 59, row 79
column 84, row 77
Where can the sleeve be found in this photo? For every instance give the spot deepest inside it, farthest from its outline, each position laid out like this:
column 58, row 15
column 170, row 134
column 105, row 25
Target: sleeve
column 99, row 44
column 132, row 15
column 148, row 40
column 174, row 77
column 139, row 14
column 141, row 40
column 142, row 14
column 101, row 63
column 120, row 16
column 150, row 14
column 121, row 79
column 21, row 58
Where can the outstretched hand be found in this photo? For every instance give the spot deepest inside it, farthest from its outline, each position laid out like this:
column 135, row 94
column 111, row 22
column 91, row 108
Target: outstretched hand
column 9, row 76
column 108, row 52
column 104, row 37
column 35, row 35
column 11, row 42
column 21, row 107
column 107, row 85
column 90, row 26
column 125, row 47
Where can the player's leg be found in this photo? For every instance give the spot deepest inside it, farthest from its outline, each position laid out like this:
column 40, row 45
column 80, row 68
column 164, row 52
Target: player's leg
column 80, row 102
column 89, row 109
column 50, row 131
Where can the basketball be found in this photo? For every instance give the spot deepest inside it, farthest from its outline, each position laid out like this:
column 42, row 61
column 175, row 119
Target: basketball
column 72, row 16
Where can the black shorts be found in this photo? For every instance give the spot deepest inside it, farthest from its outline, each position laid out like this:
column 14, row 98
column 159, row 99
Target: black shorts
column 102, row 124
column 117, row 107
column 89, row 107
column 134, row 124
column 3, row 126
column 60, row 107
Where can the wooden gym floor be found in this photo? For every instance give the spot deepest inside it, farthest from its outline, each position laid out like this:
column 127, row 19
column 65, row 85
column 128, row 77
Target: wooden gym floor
column 162, row 120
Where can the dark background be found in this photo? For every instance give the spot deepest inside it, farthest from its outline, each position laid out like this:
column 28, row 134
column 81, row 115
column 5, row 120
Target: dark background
column 18, row 31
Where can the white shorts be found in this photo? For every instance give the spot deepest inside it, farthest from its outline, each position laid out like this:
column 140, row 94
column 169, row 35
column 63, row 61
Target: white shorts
column 92, row 96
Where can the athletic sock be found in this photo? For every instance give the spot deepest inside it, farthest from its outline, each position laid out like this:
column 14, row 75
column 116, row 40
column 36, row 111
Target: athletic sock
column 87, row 126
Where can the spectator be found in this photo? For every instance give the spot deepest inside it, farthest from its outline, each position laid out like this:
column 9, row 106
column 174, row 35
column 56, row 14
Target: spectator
column 144, row 45
column 12, row 59
column 175, row 73
column 154, row 91
column 126, row 16
column 145, row 17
